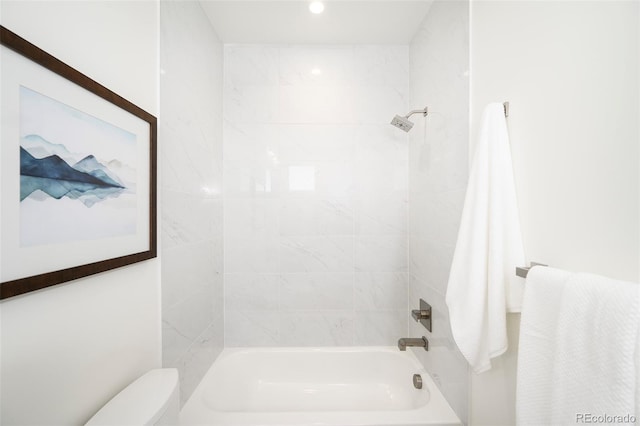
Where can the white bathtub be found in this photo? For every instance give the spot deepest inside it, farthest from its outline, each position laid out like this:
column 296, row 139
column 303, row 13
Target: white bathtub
column 316, row 386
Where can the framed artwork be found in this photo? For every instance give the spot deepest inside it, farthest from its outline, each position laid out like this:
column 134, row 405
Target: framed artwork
column 77, row 173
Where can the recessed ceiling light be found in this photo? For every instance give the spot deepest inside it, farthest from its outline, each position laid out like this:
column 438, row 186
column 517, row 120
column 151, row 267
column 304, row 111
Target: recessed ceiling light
column 316, row 71
column 316, row 7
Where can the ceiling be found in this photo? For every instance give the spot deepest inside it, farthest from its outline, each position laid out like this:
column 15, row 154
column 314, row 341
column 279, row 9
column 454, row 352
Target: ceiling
column 290, row 22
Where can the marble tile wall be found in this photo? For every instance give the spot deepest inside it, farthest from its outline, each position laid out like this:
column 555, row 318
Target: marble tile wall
column 190, row 142
column 438, row 153
column 315, row 195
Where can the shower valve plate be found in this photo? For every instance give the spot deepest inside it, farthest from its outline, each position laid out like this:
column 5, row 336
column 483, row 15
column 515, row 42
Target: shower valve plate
column 425, row 307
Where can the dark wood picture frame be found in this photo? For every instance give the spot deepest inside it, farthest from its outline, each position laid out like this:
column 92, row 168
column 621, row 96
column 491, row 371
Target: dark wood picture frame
column 27, row 284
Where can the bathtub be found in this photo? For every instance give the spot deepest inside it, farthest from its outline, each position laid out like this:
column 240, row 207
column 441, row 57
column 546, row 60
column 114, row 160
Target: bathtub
column 353, row 386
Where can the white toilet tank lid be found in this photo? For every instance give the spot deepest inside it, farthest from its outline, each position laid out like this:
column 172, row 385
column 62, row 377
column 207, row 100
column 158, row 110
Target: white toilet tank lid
column 142, row 402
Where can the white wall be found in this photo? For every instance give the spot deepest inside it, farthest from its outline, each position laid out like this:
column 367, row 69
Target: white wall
column 573, row 92
column 570, row 72
column 439, row 78
column 190, row 139
column 315, row 195
column 66, row 350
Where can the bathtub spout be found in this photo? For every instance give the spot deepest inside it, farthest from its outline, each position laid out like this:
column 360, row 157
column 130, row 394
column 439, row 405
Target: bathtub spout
column 407, row 341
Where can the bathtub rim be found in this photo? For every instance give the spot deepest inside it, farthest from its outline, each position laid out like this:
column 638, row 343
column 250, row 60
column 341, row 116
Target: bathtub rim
column 436, row 412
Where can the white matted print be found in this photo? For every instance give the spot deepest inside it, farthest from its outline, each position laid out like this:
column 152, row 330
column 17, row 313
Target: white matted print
column 77, row 174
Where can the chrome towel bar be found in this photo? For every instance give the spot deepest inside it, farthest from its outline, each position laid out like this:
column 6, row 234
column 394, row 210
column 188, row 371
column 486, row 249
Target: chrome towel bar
column 522, row 271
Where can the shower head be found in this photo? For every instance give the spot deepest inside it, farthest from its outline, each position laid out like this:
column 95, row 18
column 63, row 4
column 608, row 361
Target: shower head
column 403, row 123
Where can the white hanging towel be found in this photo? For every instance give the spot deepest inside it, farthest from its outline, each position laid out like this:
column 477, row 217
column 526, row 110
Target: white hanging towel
column 578, row 358
column 482, row 281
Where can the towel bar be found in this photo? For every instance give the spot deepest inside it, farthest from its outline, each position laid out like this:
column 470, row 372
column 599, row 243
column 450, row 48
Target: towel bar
column 522, row 271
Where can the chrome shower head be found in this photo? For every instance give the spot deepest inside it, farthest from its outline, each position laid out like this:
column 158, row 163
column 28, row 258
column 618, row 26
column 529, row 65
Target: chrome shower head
column 402, row 123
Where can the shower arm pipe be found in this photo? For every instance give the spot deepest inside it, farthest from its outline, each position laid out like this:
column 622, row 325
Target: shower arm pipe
column 424, row 112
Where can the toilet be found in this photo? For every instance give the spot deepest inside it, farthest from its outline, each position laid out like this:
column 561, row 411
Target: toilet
column 153, row 399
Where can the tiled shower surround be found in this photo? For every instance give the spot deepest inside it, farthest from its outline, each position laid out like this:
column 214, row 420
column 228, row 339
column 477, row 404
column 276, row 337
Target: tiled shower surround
column 315, row 195
column 438, row 158
column 190, row 140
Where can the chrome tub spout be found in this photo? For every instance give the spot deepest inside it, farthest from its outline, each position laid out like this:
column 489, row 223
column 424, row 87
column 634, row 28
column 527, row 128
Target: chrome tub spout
column 408, row 341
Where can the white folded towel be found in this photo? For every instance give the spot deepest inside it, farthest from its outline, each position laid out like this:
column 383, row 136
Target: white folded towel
column 482, row 282
column 579, row 349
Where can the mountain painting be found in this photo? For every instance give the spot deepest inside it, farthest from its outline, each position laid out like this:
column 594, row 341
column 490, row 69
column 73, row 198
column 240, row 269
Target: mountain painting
column 76, row 176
